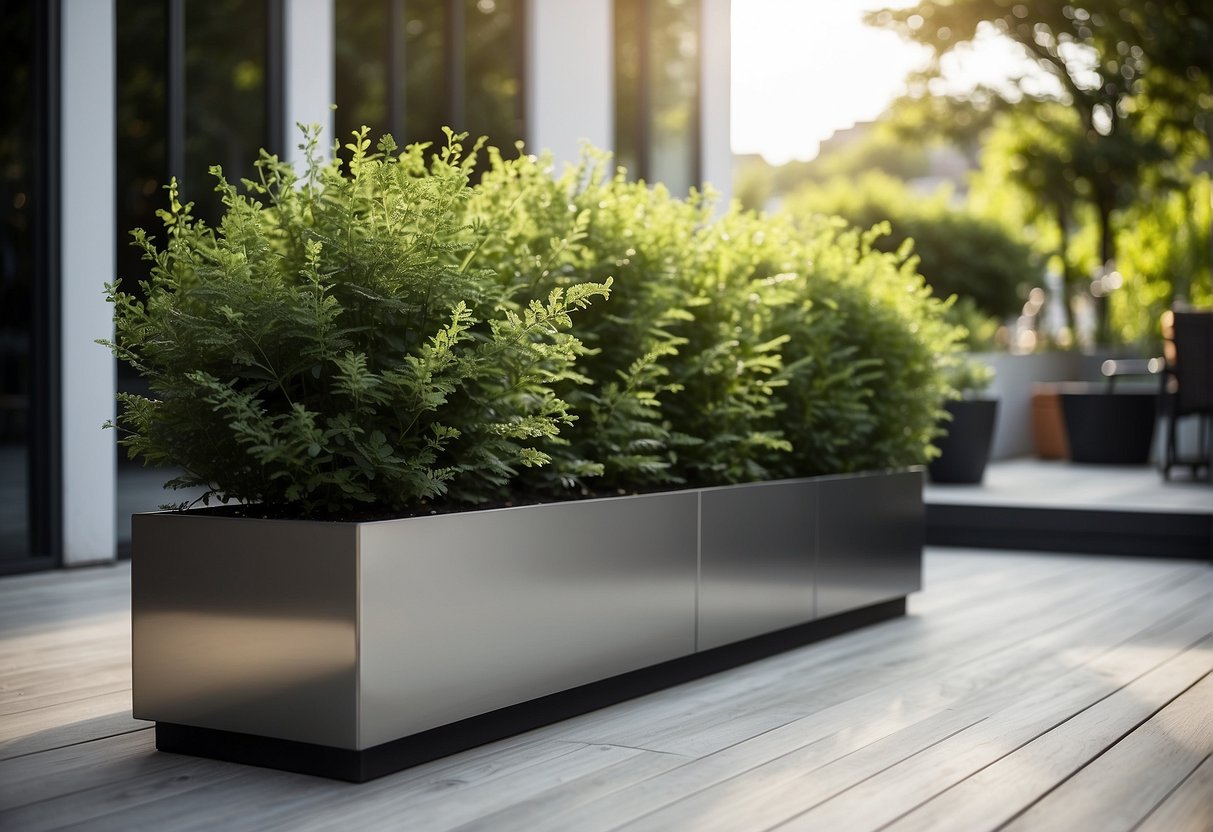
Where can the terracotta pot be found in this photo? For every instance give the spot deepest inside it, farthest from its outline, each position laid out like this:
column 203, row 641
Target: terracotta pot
column 1049, row 439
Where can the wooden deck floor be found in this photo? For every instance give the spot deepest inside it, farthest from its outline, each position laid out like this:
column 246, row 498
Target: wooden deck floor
column 1022, row 692
column 1035, row 483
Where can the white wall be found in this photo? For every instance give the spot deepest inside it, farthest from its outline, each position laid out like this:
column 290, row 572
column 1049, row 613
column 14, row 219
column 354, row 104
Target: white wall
column 87, row 258
column 1014, row 377
column 715, row 101
column 309, row 76
column 570, row 76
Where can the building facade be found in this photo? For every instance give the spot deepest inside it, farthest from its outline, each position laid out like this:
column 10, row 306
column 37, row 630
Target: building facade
column 106, row 100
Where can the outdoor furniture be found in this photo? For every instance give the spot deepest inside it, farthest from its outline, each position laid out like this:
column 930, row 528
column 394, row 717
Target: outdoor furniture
column 1187, row 387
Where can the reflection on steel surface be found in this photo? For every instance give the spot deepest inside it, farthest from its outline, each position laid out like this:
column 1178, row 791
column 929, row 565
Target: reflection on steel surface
column 351, row 635
column 757, row 551
column 499, row 607
column 246, row 625
column 870, row 540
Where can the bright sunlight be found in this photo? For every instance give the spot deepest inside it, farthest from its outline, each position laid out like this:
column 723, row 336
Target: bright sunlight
column 802, row 70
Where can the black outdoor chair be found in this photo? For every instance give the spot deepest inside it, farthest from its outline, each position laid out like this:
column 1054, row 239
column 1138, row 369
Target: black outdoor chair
column 1187, row 387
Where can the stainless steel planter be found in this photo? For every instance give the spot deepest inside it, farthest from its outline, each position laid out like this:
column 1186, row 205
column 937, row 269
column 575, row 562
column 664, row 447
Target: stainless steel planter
column 354, row 635
column 778, row 554
column 757, row 556
column 869, row 541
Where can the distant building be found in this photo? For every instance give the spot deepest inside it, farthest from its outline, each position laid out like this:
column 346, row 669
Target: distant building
column 844, row 137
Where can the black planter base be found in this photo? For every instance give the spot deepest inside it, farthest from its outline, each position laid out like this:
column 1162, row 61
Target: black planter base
column 361, row 766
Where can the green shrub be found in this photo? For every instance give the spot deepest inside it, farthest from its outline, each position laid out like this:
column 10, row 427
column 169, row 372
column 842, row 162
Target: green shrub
column 729, row 372
column 590, row 224
column 735, row 348
column 386, row 334
column 679, row 377
column 970, row 377
column 868, row 351
column 329, row 345
column 958, row 253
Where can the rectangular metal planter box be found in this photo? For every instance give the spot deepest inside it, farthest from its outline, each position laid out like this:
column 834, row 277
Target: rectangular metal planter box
column 379, row 644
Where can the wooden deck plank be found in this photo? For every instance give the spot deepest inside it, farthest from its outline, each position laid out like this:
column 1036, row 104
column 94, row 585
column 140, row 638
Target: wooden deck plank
column 774, row 780
column 1189, row 808
column 445, row 810
column 705, row 716
column 882, row 798
column 1008, row 663
column 559, row 808
column 61, row 771
column 1120, row 789
column 241, row 797
column 68, row 723
column 995, row 794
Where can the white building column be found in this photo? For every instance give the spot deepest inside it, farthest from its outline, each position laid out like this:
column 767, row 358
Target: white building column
column 570, row 90
column 87, row 258
column 714, row 98
column 309, row 77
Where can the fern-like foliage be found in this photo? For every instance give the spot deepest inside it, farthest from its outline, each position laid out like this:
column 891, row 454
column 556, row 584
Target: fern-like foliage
column 737, row 347
column 330, row 344
column 864, row 358
column 590, row 223
column 381, row 333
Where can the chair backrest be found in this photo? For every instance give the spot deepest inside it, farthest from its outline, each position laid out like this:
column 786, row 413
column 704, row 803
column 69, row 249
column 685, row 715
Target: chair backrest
column 1193, row 363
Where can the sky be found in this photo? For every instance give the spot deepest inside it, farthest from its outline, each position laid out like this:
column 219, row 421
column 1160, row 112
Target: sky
column 805, row 68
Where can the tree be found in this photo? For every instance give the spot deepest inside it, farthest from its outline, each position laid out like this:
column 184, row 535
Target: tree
column 1095, row 53
column 1176, row 38
column 958, row 253
column 882, row 147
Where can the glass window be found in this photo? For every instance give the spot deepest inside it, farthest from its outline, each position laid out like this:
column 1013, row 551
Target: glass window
column 657, row 72
column 29, row 495
column 426, row 85
column 193, row 90
column 493, row 71
column 411, row 67
column 362, row 62
column 226, row 104
column 629, row 98
column 221, row 104
column 141, row 118
column 674, row 82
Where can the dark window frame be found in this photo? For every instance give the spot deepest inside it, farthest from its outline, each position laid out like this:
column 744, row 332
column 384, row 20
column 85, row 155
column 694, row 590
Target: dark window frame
column 46, row 486
column 454, row 62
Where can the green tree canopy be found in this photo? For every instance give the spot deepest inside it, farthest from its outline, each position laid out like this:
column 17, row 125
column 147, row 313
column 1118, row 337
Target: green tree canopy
column 958, row 253
column 1132, row 77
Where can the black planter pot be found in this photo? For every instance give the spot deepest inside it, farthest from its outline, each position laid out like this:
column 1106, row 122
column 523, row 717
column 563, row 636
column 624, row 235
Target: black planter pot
column 966, row 448
column 1109, row 428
